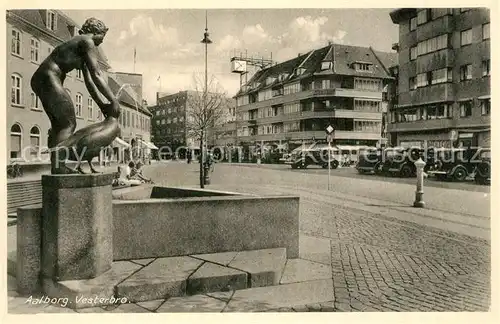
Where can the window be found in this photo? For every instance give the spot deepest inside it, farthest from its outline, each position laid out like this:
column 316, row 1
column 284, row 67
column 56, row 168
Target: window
column 78, row 105
column 175, row 120
column 15, row 141
column 466, row 72
column 291, row 88
column 51, row 20
column 422, row 80
column 486, row 31
column 34, row 141
column 15, row 45
column 466, row 109
column 79, row 74
column 413, row 23
column 325, row 84
column 35, row 48
column 90, row 108
column 99, row 116
column 16, row 89
column 422, row 16
column 50, row 49
column 413, row 53
column 128, row 118
column 485, row 107
column 439, row 76
column 365, row 67
column 439, row 12
column 169, row 110
column 326, row 66
column 466, row 37
column 35, row 102
column 432, row 44
column 413, row 84
column 486, row 67
column 291, row 108
column 169, row 121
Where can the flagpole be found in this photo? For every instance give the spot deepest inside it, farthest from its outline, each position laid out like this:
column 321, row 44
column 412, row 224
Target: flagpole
column 135, row 54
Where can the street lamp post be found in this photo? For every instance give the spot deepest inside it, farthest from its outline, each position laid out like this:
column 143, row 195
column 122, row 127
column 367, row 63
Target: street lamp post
column 204, row 177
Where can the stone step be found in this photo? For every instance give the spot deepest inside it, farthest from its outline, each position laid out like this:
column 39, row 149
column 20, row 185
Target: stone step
column 160, row 278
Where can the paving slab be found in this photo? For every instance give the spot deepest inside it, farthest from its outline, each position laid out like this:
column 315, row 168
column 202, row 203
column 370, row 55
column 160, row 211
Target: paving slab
column 275, row 297
column 92, row 292
column 211, row 277
column 222, row 295
column 298, row 270
column 315, row 249
column 265, row 267
column 143, row 262
column 223, row 258
column 163, row 278
column 152, row 304
column 193, row 304
column 129, row 308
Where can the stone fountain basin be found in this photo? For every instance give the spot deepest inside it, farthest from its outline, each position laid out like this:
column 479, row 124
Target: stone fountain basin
column 153, row 221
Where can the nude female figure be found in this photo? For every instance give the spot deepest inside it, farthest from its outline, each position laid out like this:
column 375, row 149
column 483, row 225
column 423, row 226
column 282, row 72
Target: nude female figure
column 80, row 52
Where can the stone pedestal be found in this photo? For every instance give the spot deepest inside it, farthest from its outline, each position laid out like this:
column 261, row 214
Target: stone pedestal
column 77, row 226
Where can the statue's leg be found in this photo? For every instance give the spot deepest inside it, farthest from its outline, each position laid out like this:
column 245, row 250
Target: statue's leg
column 59, row 108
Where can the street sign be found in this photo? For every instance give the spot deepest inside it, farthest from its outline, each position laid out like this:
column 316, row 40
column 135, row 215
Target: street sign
column 330, row 129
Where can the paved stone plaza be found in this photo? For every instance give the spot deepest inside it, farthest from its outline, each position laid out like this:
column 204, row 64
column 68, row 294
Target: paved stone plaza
column 357, row 253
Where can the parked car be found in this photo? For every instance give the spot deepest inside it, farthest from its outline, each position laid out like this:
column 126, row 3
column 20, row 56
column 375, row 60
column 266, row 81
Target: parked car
column 316, row 155
column 401, row 161
column 285, row 158
column 483, row 168
column 458, row 163
column 369, row 160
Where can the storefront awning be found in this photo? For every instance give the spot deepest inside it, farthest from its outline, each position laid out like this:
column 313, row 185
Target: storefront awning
column 119, row 142
column 149, row 145
column 484, row 97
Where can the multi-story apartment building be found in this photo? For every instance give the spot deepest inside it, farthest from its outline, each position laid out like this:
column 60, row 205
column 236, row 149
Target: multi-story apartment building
column 444, row 77
column 170, row 115
column 294, row 102
column 31, row 36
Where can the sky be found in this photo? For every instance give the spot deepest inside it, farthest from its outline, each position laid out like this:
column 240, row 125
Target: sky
column 168, row 47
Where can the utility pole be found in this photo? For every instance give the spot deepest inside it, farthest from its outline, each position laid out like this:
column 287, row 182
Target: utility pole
column 205, row 41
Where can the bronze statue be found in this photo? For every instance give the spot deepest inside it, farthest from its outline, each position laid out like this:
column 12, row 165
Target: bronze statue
column 80, row 52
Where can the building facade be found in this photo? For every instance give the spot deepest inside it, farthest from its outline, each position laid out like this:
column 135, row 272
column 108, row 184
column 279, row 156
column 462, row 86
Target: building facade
column 31, row 36
column 293, row 102
column 444, row 78
column 170, row 118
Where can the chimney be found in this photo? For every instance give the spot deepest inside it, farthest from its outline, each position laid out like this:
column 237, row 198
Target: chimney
column 299, row 54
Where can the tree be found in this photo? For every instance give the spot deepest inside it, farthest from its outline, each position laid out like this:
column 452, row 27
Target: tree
column 205, row 111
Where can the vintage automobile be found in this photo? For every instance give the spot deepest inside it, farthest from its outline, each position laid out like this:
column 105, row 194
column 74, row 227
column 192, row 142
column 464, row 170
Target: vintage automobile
column 458, row 164
column 369, row 160
column 483, row 167
column 315, row 155
column 400, row 161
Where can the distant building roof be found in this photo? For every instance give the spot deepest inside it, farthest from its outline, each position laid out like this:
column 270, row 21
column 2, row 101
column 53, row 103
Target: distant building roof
column 402, row 13
column 343, row 57
column 65, row 26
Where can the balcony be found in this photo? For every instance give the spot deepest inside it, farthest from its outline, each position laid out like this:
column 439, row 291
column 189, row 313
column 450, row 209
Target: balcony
column 427, row 95
column 345, row 113
column 307, row 135
column 308, row 94
column 436, row 27
column 420, row 125
column 348, row 93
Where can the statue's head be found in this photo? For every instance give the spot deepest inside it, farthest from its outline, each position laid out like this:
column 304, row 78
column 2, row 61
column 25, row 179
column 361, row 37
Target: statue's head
column 95, row 27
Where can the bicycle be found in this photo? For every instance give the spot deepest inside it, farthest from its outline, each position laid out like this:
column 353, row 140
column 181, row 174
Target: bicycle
column 14, row 171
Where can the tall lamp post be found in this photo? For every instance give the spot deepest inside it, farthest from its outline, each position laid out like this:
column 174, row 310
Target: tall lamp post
column 204, row 177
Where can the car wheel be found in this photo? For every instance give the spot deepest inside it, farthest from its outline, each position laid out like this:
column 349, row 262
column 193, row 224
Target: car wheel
column 460, row 174
column 378, row 168
column 324, row 166
column 406, row 171
column 334, row 164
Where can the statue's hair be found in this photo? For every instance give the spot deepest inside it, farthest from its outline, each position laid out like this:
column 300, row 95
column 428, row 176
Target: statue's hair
column 93, row 26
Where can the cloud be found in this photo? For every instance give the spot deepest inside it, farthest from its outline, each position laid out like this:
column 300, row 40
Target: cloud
column 144, row 29
column 255, row 34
